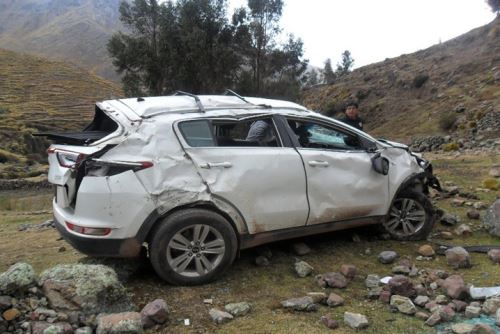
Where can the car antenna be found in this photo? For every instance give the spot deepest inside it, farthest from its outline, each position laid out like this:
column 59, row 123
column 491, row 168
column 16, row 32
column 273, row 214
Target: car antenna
column 233, row 93
column 195, row 97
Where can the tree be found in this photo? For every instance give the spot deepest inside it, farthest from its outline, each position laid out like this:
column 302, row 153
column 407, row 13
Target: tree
column 328, row 74
column 312, row 77
column 495, row 6
column 345, row 65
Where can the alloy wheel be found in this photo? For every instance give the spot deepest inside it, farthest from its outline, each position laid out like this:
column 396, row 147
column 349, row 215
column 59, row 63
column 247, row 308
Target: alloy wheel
column 406, row 217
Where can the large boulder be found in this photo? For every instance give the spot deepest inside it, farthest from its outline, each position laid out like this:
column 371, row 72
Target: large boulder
column 90, row 289
column 19, row 277
column 491, row 220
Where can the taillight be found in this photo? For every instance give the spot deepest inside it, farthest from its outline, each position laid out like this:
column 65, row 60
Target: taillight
column 88, row 230
column 69, row 159
column 99, row 167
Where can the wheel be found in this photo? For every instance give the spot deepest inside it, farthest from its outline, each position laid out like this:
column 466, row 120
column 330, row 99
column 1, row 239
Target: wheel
column 193, row 246
column 411, row 216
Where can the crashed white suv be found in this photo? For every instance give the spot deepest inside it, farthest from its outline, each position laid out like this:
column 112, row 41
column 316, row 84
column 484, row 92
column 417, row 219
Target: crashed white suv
column 195, row 179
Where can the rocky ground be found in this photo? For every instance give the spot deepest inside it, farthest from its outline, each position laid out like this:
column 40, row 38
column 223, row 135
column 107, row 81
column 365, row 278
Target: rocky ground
column 314, row 285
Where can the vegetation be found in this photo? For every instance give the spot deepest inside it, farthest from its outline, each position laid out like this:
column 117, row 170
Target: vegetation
column 328, row 74
column 447, row 121
column 420, row 80
column 490, row 183
column 450, row 147
column 495, row 5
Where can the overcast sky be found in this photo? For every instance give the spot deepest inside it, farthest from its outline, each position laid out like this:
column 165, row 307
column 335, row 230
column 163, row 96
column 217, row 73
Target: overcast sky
column 376, row 29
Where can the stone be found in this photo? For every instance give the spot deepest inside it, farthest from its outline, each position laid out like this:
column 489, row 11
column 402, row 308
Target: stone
column 318, row 297
column 305, row 304
column 462, row 328
column 457, row 202
column 19, row 277
column 348, row 270
column 91, row 289
column 455, row 287
column 494, row 255
column 387, row 257
column 301, row 248
column 445, row 235
column 42, row 327
column 433, row 319
column 494, row 171
column 450, row 220
column 374, row 293
column 334, row 300
column 421, row 300
column 472, row 312
column 403, row 304
column 329, row 322
column 422, row 315
column 372, row 281
column 459, row 305
column 355, row 320
column 262, row 261
column 491, row 220
column 497, row 318
column 155, row 312
column 404, row 270
column 124, row 268
column 84, row 330
column 238, row 309
column 426, row 250
column 320, row 281
column 433, row 286
column 458, row 257
column 53, row 329
column 11, row 314
column 473, row 214
column 303, row 269
column 401, row 285
column 482, row 329
column 117, row 323
column 479, row 206
column 491, row 305
column 335, row 280
column 385, row 296
column 463, row 230
column 446, row 313
column 441, row 299
column 5, row 302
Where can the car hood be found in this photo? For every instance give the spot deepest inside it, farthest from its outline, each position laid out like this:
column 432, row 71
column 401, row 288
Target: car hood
column 388, row 143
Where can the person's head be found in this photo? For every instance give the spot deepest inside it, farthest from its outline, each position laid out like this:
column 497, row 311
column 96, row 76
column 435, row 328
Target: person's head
column 351, row 110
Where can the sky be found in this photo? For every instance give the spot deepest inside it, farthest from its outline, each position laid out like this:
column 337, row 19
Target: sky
column 376, row 29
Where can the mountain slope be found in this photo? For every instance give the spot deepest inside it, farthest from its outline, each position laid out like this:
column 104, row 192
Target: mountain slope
column 410, row 95
column 69, row 30
column 38, row 95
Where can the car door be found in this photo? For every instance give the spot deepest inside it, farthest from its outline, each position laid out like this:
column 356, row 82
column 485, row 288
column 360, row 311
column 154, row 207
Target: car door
column 263, row 179
column 341, row 183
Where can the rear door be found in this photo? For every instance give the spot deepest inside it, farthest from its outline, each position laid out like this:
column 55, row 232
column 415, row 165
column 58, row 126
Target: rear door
column 244, row 162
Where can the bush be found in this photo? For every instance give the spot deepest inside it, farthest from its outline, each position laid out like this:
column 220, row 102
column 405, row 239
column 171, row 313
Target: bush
column 472, row 125
column 447, row 121
column 490, row 183
column 3, row 110
column 420, row 80
column 450, row 147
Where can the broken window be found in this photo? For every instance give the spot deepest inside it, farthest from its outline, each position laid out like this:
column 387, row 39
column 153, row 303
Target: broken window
column 255, row 132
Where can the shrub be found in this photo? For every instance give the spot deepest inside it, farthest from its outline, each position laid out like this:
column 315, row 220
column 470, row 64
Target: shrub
column 446, row 121
column 490, row 183
column 450, row 147
column 3, row 110
column 420, row 80
column 472, row 125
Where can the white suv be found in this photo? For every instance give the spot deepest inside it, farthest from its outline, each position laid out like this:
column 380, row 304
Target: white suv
column 198, row 178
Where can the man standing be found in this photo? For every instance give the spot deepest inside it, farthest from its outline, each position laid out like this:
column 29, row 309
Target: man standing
column 352, row 116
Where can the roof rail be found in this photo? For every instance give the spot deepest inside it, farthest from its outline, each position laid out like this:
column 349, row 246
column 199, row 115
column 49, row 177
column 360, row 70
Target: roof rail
column 230, row 92
column 196, row 98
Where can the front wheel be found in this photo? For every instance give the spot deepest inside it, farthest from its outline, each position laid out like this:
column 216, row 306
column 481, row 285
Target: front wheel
column 193, row 246
column 411, row 216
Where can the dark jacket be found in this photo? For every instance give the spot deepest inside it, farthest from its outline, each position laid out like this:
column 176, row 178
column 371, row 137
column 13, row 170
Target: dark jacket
column 355, row 123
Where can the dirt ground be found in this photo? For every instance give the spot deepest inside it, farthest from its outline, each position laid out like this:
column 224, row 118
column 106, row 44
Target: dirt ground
column 265, row 287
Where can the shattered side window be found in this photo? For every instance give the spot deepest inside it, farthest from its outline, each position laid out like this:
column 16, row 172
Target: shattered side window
column 197, row 133
column 250, row 133
column 313, row 135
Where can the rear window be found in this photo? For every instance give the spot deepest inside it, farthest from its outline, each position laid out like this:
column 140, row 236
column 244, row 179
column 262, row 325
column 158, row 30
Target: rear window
column 197, row 133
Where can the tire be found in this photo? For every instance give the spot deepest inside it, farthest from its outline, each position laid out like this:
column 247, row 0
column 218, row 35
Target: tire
column 411, row 216
column 177, row 258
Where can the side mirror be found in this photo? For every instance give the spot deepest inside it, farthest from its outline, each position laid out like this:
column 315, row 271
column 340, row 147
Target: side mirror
column 380, row 164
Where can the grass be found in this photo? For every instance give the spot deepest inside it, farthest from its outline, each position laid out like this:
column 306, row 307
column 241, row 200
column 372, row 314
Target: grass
column 265, row 287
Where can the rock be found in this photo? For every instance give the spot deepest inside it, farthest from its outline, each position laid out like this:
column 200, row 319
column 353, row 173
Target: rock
column 303, row 269
column 455, row 287
column 334, row 300
column 458, row 257
column 404, row 270
column 385, row 296
column 451, row 190
column 482, row 329
column 262, row 261
column 450, row 220
column 494, row 255
column 457, row 202
column 426, row 250
column 54, row 329
column 318, row 297
column 11, row 314
column 117, row 323
column 494, row 171
column 374, row 293
column 320, row 281
column 355, row 320
column 403, row 304
column 441, row 299
column 462, row 328
column 491, row 220
column 445, row 235
column 220, row 317
column 335, row 280
column 433, row 286
column 433, row 319
column 446, row 313
column 329, row 322
column 401, row 285
column 479, row 206
column 5, row 302
column 422, row 315
column 372, row 281
column 491, row 305
column 123, row 267
column 41, row 327
column 238, row 309
column 472, row 312
column 301, row 248
column 300, row 304
column 473, row 214
column 387, row 257
column 348, row 270
column 497, row 317
column 84, row 330
column 463, row 230
column 459, row 305
column 91, row 289
column 19, row 277
column 421, row 301
column 155, row 312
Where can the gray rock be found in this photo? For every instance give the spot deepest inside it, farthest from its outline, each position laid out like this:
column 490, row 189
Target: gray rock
column 472, row 312
column 404, row 270
column 155, row 312
column 491, row 220
column 462, row 328
column 334, row 300
column 318, row 297
column 421, row 301
column 355, row 320
column 300, row 304
column 19, row 277
column 494, row 255
column 238, row 309
column 5, row 302
column 220, row 317
column 329, row 322
column 348, row 270
column 433, row 319
column 54, row 329
column 83, row 330
column 441, row 299
column 483, row 329
column 303, row 269
column 90, row 289
column 372, row 281
column 491, row 305
column 463, row 230
column 403, row 304
column 262, row 261
column 458, row 257
column 335, row 280
column 450, row 220
column 301, row 248
column 40, row 327
column 123, row 267
column 119, row 323
column 387, row 257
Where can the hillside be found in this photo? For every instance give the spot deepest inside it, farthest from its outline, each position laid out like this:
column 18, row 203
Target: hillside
column 69, row 30
column 38, row 95
column 456, row 83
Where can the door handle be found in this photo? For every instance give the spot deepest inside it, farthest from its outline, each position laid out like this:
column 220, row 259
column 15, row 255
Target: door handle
column 318, row 163
column 209, row 165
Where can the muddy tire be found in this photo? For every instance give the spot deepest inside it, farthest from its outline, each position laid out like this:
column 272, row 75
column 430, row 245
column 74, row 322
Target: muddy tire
column 193, row 247
column 411, row 216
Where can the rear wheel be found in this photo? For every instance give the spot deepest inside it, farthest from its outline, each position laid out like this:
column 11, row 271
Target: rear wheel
column 411, row 216
column 193, row 246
